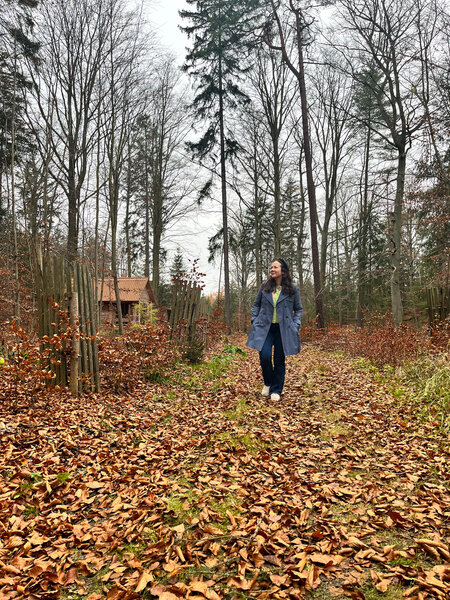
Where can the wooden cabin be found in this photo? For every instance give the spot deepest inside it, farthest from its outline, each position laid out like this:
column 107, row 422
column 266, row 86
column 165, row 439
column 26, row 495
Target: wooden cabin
column 133, row 291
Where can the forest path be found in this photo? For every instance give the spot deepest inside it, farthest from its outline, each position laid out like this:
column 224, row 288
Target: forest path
column 197, row 487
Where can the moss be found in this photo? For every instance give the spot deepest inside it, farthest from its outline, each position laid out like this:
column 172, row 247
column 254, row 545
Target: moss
column 134, row 549
column 333, row 430
column 393, row 592
column 240, row 440
column 239, row 412
column 176, row 503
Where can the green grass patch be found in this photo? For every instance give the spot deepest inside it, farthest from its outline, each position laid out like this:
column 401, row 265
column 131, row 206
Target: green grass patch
column 229, row 504
column 134, row 549
column 182, row 505
column 239, row 412
column 243, row 441
column 429, row 378
column 394, row 592
column 424, row 382
column 333, row 430
column 402, row 540
column 324, row 592
column 348, row 513
column 150, row 535
column 30, row 510
column 194, row 376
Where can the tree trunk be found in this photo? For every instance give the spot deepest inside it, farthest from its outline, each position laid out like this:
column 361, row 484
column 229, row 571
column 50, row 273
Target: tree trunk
column 363, row 238
column 395, row 240
column 338, row 271
column 157, row 235
column 310, row 180
column 258, row 260
column 114, row 265
column 226, row 265
column 276, row 192
column 127, row 213
column 75, row 352
column 13, row 194
column 147, row 210
column 300, row 233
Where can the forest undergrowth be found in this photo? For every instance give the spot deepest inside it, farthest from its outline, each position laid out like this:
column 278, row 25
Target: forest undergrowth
column 189, row 485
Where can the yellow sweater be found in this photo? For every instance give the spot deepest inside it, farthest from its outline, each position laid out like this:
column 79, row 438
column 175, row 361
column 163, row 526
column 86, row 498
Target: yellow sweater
column 275, row 299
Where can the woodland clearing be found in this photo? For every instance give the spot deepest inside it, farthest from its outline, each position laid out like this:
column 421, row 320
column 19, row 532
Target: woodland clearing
column 193, row 486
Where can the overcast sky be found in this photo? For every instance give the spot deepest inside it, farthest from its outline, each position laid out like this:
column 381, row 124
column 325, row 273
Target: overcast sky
column 163, row 14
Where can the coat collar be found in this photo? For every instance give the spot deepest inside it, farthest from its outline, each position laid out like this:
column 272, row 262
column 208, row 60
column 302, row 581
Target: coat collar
column 269, row 297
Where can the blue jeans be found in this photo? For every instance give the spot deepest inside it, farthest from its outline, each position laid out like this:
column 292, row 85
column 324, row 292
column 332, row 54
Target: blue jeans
column 273, row 374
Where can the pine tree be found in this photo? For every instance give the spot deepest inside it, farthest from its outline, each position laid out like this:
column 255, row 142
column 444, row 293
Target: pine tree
column 178, row 268
column 220, row 30
column 16, row 45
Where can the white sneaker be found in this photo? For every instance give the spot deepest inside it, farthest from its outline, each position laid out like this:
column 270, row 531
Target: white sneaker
column 266, row 391
column 275, row 397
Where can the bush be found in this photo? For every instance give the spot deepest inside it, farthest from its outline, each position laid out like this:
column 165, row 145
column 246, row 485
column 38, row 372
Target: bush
column 380, row 342
column 144, row 352
column 429, row 376
column 29, row 369
column 440, row 334
column 194, row 349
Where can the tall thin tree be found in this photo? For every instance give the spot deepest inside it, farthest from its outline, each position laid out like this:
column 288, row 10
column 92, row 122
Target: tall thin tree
column 220, row 32
column 275, row 37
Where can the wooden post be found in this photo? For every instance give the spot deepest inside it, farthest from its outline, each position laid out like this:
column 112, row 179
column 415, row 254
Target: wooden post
column 74, row 355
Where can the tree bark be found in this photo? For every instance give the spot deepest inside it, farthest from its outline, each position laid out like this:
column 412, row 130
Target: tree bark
column 320, row 320
column 13, row 191
column 300, row 75
column 363, row 238
column 395, row 240
column 226, row 264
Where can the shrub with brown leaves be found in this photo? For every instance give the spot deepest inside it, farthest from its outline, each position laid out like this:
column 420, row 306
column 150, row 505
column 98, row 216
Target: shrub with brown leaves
column 144, row 352
column 381, row 341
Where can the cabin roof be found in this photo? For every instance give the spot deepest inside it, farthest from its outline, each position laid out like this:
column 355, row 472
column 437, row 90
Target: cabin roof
column 130, row 289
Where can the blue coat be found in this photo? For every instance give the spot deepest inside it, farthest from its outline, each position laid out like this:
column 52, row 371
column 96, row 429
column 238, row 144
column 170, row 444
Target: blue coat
column 289, row 312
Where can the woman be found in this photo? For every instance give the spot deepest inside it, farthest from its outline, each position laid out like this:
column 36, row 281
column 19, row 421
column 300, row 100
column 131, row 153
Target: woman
column 276, row 317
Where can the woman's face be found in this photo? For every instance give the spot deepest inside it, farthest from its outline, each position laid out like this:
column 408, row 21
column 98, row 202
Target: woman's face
column 275, row 269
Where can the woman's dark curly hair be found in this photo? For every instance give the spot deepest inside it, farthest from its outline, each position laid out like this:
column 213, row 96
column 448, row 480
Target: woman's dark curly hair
column 287, row 286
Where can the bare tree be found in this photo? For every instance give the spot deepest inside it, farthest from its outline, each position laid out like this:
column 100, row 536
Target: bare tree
column 295, row 61
column 250, row 182
column 387, row 37
column 65, row 86
column 330, row 116
column 122, row 105
column 164, row 180
column 274, row 96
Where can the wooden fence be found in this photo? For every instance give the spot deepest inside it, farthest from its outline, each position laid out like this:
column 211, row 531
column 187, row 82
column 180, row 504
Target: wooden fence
column 88, row 370
column 186, row 311
column 438, row 303
column 73, row 293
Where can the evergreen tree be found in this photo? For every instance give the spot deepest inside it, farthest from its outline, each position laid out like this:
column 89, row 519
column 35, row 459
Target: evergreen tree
column 178, row 268
column 293, row 235
column 367, row 111
column 16, row 46
column 220, row 30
